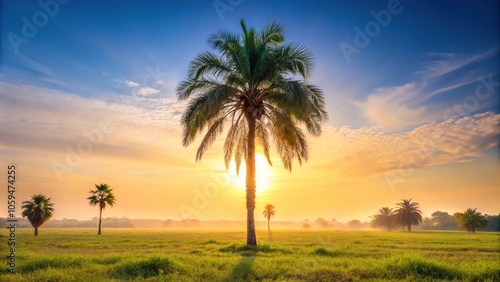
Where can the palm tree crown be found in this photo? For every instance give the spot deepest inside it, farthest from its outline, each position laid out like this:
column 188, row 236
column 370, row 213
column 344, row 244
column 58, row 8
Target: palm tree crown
column 38, row 211
column 471, row 220
column 384, row 218
column 269, row 212
column 408, row 213
column 254, row 84
column 101, row 196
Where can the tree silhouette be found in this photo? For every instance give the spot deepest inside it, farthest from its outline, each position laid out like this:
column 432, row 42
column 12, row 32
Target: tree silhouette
column 384, row 219
column 251, row 85
column 443, row 220
column 38, row 211
column 408, row 213
column 101, row 196
column 269, row 212
column 471, row 220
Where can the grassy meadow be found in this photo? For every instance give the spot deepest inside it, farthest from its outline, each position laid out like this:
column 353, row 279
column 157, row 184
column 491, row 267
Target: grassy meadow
column 283, row 255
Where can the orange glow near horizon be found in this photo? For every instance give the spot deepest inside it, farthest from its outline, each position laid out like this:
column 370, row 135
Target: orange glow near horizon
column 263, row 175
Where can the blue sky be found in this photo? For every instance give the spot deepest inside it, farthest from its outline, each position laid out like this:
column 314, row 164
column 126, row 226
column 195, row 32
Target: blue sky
column 432, row 67
column 88, row 47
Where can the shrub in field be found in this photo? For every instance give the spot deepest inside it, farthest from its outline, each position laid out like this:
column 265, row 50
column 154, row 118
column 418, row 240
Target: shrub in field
column 142, row 269
column 414, row 266
column 211, row 241
column 108, row 260
column 247, row 250
column 47, row 262
column 324, row 252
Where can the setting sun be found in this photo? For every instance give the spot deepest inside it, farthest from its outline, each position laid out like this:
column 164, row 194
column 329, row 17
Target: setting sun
column 263, row 177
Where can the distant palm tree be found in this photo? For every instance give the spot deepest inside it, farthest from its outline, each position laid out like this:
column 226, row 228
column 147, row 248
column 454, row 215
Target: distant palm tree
column 269, row 212
column 255, row 85
column 471, row 220
column 384, row 219
column 101, row 196
column 408, row 213
column 38, row 211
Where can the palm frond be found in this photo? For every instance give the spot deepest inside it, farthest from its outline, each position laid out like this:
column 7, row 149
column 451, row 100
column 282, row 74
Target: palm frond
column 208, row 63
column 215, row 130
column 235, row 130
column 262, row 134
column 222, row 40
column 272, row 33
column 251, row 72
column 203, row 109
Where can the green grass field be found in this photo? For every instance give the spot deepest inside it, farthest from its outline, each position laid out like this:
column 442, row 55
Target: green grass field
column 294, row 255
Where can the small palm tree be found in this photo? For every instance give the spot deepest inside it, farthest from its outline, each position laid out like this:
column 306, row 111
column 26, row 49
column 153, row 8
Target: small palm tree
column 471, row 220
column 408, row 213
column 38, row 211
column 269, row 212
column 255, row 86
column 101, row 196
column 384, row 218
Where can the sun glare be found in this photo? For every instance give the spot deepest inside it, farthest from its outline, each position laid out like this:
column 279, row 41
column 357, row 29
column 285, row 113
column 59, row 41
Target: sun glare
column 263, row 174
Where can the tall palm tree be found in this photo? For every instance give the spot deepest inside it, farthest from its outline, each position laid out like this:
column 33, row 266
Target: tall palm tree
column 38, row 211
column 101, row 196
column 408, row 213
column 384, row 218
column 471, row 220
column 255, row 84
column 269, row 212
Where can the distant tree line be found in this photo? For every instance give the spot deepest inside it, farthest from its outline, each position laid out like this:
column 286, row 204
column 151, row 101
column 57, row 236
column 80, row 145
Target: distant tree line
column 407, row 213
column 39, row 211
column 469, row 220
column 112, row 222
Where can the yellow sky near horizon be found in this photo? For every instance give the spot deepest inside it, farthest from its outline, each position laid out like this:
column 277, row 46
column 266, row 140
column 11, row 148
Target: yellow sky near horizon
column 448, row 166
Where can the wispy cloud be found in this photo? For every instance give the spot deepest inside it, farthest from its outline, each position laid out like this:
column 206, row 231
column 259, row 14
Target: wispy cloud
column 372, row 152
column 397, row 107
column 45, row 120
column 440, row 64
column 131, row 83
column 141, row 90
column 146, row 91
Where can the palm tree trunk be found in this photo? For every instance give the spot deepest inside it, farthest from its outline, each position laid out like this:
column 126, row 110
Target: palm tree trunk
column 250, row 181
column 100, row 215
column 36, row 231
column 409, row 227
column 268, row 223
